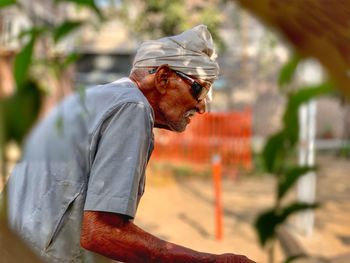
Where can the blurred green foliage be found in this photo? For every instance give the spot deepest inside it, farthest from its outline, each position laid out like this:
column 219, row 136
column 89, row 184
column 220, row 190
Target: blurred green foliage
column 152, row 19
column 345, row 150
column 288, row 69
column 4, row 3
column 268, row 221
column 278, row 152
column 20, row 110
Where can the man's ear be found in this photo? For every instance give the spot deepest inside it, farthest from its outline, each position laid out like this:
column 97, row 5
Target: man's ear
column 161, row 78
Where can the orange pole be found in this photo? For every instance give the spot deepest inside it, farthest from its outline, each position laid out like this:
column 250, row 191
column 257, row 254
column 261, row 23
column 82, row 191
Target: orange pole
column 216, row 170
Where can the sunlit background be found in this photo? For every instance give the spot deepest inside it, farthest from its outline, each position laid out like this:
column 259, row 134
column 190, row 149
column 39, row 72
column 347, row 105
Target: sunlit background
column 207, row 186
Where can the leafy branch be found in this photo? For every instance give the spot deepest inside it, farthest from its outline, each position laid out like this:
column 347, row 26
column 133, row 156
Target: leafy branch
column 277, row 155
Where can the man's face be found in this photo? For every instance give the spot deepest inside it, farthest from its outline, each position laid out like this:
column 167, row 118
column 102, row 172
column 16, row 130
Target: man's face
column 179, row 103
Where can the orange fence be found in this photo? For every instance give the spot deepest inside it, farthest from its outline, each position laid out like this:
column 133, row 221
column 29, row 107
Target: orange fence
column 227, row 134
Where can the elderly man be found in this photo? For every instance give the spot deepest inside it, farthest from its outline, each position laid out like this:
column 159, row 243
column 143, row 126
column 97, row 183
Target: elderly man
column 76, row 190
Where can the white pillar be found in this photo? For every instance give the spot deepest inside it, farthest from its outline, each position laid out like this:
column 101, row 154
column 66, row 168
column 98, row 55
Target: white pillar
column 306, row 189
column 309, row 72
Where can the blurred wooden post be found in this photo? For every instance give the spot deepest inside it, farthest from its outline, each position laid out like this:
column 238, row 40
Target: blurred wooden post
column 6, row 79
column 216, row 171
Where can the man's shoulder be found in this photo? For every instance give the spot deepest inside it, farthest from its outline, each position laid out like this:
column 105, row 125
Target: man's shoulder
column 118, row 92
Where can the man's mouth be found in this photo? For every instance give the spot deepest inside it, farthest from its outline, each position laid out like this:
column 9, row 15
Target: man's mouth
column 188, row 115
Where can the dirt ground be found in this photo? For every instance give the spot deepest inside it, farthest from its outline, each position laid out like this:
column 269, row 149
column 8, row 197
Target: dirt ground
column 182, row 211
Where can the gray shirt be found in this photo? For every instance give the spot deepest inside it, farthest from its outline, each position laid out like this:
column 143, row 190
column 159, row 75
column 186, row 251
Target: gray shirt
column 88, row 154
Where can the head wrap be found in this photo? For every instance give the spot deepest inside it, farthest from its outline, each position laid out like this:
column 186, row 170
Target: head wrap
column 191, row 52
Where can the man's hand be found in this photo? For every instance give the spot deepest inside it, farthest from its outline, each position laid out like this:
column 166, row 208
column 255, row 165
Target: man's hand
column 116, row 237
column 232, row 258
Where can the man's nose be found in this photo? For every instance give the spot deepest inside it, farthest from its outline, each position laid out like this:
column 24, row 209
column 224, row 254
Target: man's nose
column 201, row 106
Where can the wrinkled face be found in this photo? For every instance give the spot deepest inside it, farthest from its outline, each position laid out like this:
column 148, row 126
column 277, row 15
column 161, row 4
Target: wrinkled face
column 179, row 104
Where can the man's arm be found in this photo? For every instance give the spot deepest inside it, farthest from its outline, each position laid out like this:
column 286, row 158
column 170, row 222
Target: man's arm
column 116, row 237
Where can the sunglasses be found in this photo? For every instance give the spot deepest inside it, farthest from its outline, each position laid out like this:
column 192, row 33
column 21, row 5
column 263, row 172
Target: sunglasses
column 198, row 91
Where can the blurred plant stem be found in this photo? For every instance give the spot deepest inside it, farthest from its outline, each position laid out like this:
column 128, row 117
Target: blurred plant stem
column 279, row 151
column 271, row 252
column 3, row 194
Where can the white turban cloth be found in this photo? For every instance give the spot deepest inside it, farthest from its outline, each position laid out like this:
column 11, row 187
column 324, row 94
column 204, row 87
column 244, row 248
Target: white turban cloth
column 191, row 52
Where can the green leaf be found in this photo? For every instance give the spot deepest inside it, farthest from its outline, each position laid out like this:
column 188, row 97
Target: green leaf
column 287, row 71
column 2, row 125
column 272, row 151
column 291, row 176
column 296, row 207
column 291, row 121
column 23, row 60
column 306, row 93
column 37, row 30
column 5, row 3
column 71, row 58
column 267, row 222
column 65, row 28
column 296, row 99
column 23, row 105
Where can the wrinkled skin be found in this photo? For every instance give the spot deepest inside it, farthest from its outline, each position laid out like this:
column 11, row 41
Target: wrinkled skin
column 116, row 237
column 175, row 105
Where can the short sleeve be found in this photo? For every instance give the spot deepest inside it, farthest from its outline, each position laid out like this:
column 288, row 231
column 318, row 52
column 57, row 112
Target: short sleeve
column 118, row 168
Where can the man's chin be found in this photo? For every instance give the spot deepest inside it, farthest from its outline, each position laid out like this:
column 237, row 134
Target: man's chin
column 174, row 128
column 179, row 127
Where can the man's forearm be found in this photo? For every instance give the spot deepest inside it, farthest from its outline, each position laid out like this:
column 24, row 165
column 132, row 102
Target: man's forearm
column 115, row 237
